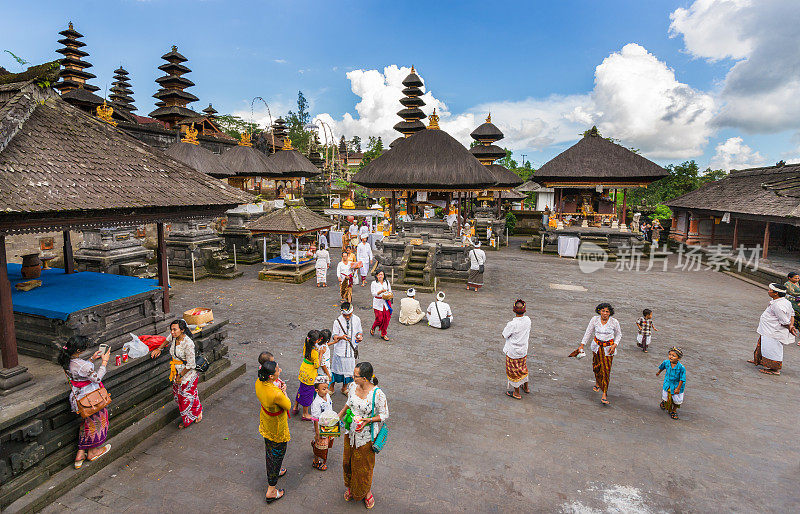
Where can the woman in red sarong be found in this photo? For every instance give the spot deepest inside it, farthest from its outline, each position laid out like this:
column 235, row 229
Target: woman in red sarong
column 183, row 375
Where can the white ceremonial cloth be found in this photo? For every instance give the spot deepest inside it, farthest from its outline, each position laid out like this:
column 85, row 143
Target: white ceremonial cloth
column 517, row 334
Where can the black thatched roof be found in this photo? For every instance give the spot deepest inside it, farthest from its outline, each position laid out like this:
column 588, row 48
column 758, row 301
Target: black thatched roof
column 595, row 159
column 56, row 162
column 487, row 131
column 504, row 177
column 199, row 158
column 292, row 164
column 772, row 191
column 429, row 160
column 290, row 220
column 248, row 162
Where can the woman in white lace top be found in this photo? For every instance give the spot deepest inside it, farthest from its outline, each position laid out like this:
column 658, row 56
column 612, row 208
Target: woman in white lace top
column 603, row 334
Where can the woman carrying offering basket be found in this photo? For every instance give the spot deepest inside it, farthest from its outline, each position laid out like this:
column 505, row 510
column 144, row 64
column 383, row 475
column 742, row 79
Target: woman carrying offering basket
column 381, row 303
column 364, row 416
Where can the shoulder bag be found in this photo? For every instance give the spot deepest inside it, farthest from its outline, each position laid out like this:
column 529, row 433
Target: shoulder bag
column 349, row 342
column 378, row 441
column 480, row 264
column 92, row 402
column 201, row 364
column 445, row 322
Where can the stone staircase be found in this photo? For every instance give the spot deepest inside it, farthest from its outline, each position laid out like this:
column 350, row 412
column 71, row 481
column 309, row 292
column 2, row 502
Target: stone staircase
column 599, row 240
column 416, row 268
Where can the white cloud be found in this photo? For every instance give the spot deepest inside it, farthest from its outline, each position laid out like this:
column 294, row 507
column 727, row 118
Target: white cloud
column 734, row 154
column 636, row 99
column 279, row 61
column 261, row 115
column 761, row 92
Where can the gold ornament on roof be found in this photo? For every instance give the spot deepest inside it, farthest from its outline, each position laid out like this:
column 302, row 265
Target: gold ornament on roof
column 70, row 26
column 434, row 124
column 191, row 136
column 105, row 112
column 287, row 144
column 412, row 69
column 246, row 139
column 489, row 118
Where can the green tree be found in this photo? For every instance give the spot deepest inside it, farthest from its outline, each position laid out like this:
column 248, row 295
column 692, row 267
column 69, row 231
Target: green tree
column 234, row 126
column 507, row 162
column 296, row 123
column 355, row 144
column 374, row 150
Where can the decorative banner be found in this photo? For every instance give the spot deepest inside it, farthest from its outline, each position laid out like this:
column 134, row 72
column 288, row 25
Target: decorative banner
column 726, row 218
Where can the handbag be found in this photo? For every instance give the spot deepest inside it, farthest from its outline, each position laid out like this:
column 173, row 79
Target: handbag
column 480, row 266
column 201, row 364
column 444, row 322
column 377, row 440
column 92, row 402
column 354, row 348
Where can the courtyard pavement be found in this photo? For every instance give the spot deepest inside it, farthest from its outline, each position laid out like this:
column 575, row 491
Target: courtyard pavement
column 457, row 443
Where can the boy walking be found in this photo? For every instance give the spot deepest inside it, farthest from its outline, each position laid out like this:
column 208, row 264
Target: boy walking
column 645, row 326
column 674, row 382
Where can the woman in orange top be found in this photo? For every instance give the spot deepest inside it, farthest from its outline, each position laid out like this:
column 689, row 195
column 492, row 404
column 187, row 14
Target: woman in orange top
column 273, row 425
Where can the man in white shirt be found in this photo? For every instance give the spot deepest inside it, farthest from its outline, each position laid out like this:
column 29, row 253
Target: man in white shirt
column 775, row 329
column 477, row 258
column 364, row 256
column 347, row 334
column 286, row 252
column 438, row 310
column 352, row 232
column 363, row 231
column 410, row 310
column 517, row 333
column 323, row 239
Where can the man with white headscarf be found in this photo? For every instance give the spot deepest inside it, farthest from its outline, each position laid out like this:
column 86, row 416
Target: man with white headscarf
column 346, row 335
column 364, row 256
column 477, row 259
column 410, row 310
column 775, row 329
column 439, row 311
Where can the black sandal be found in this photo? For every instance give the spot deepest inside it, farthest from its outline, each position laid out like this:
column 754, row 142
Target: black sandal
column 673, row 415
column 281, row 494
column 663, row 405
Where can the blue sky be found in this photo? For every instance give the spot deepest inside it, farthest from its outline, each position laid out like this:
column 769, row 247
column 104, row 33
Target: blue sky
column 547, row 69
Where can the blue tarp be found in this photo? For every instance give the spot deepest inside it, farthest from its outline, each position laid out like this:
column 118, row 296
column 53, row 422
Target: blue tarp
column 278, row 260
column 61, row 294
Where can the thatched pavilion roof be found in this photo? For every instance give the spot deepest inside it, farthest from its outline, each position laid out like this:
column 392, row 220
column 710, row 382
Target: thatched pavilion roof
column 292, row 164
column 505, row 178
column 248, row 162
column 295, row 220
column 199, row 158
column 430, row 160
column 596, row 160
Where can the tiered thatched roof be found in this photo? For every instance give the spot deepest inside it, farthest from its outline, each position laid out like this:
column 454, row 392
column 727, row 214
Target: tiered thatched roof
column 504, row 177
column 430, row 160
column 292, row 164
column 246, row 161
column 292, row 219
column 199, row 158
column 596, row 160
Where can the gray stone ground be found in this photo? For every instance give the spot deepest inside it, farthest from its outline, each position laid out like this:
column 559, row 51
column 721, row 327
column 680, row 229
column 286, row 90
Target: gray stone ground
column 458, row 444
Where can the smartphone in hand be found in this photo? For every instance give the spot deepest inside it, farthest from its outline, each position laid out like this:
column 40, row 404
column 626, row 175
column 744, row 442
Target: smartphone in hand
column 104, row 348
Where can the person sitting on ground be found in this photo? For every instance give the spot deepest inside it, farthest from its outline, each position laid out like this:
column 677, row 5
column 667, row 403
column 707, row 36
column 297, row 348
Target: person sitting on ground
column 410, row 309
column 439, row 310
column 84, row 379
column 674, row 382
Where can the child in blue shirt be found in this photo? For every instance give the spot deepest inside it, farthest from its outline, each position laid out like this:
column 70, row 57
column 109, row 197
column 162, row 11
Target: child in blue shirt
column 674, row 381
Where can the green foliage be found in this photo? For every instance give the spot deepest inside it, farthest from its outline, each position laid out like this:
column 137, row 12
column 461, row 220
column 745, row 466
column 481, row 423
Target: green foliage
column 355, row 144
column 374, row 150
column 662, row 212
column 511, row 222
column 683, row 178
column 234, row 126
column 507, row 162
column 296, row 122
column 525, row 172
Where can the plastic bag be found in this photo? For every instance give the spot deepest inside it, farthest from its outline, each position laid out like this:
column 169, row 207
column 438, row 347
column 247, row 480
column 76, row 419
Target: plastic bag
column 135, row 348
column 328, row 418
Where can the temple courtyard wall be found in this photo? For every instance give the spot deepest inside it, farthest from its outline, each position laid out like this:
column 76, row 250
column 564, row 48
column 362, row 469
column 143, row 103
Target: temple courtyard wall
column 457, row 443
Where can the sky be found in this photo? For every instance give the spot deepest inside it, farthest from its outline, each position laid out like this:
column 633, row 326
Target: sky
column 717, row 81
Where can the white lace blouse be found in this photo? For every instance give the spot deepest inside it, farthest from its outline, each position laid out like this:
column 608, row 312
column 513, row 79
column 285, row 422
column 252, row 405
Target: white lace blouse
column 609, row 331
column 183, row 351
column 363, row 407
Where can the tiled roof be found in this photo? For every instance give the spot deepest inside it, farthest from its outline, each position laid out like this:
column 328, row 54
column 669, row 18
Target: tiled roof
column 290, row 220
column 757, row 191
column 62, row 161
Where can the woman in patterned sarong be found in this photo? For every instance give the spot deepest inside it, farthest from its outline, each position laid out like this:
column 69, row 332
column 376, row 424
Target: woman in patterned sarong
column 182, row 373
column 603, row 334
column 84, row 379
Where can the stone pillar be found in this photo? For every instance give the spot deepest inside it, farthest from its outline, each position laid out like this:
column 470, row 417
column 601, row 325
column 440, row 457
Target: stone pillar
column 623, row 226
column 163, row 270
column 69, row 260
column 393, row 214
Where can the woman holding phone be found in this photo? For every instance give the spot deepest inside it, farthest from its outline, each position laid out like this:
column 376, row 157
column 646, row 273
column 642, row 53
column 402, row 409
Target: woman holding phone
column 84, row 379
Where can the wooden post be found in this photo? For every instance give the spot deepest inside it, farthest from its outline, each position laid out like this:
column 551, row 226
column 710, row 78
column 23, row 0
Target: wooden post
column 735, row 242
column 458, row 215
column 69, row 260
column 713, row 229
column 8, row 335
column 393, row 214
column 163, row 270
column 766, row 241
column 499, row 203
column 624, row 207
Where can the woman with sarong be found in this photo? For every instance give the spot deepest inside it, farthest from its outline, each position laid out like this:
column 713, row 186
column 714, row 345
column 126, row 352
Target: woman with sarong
column 322, row 263
column 273, row 425
column 603, row 334
column 775, row 329
column 792, row 286
column 369, row 410
column 84, row 379
column 182, row 373
column 380, row 305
